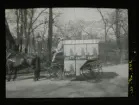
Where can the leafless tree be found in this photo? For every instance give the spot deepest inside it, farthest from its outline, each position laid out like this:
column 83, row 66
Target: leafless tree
column 50, row 33
column 120, row 23
column 107, row 27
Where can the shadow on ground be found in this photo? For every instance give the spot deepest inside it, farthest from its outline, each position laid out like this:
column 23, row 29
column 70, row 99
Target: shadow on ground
column 105, row 75
column 109, row 75
column 30, row 77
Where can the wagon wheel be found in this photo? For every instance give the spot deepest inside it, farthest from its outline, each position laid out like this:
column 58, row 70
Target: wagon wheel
column 57, row 70
column 93, row 70
column 96, row 71
column 86, row 71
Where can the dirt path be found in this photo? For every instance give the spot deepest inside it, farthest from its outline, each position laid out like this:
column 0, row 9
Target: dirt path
column 114, row 83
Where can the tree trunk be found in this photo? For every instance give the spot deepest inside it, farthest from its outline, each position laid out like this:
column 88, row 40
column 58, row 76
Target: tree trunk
column 18, row 35
column 25, row 30
column 29, row 30
column 21, row 29
column 106, row 43
column 118, row 36
column 33, row 42
column 105, row 33
column 49, row 45
column 121, row 56
column 21, row 46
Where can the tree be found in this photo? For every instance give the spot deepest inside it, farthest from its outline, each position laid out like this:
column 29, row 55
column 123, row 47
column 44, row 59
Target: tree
column 107, row 27
column 120, row 30
column 17, row 13
column 25, row 30
column 118, row 33
column 118, row 22
column 26, row 25
column 50, row 35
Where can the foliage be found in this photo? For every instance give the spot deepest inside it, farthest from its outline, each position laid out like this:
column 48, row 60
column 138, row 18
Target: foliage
column 110, row 50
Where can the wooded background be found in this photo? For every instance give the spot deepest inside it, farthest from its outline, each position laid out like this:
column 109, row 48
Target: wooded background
column 34, row 34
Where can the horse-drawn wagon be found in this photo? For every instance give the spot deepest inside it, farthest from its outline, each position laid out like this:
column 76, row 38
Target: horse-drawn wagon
column 80, row 57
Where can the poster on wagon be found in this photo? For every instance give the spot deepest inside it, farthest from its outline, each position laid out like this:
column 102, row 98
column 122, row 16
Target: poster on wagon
column 76, row 53
column 69, row 57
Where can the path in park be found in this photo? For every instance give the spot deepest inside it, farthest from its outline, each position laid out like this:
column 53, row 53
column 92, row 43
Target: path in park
column 114, row 83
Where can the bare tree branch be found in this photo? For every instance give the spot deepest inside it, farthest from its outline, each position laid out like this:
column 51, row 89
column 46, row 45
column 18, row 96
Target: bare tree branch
column 38, row 15
column 110, row 26
column 57, row 15
column 44, row 30
column 30, row 25
column 59, row 28
column 84, row 30
column 102, row 16
column 122, row 25
column 36, row 27
column 124, row 30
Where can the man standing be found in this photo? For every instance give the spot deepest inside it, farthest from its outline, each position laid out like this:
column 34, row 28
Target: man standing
column 34, row 66
column 38, row 67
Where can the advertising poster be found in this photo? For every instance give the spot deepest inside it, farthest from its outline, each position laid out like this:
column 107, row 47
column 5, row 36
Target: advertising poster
column 77, row 52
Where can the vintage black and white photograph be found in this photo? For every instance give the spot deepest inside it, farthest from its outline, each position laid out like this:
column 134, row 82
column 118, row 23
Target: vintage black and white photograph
column 66, row 52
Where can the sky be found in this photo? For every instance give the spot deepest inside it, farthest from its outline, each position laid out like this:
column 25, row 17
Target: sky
column 79, row 13
column 87, row 14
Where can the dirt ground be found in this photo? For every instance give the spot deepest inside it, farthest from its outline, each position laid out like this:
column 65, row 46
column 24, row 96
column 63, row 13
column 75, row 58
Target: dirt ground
column 114, row 83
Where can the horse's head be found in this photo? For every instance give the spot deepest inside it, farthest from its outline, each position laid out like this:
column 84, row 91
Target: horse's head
column 29, row 61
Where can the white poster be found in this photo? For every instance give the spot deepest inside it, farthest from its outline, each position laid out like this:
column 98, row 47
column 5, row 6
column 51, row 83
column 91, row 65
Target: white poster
column 77, row 52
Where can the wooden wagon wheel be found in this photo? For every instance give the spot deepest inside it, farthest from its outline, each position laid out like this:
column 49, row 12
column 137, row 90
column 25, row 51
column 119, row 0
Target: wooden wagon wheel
column 97, row 70
column 57, row 70
column 93, row 70
column 86, row 71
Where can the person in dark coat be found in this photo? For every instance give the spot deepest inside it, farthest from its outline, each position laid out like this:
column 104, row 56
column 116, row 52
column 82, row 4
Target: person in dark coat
column 36, row 67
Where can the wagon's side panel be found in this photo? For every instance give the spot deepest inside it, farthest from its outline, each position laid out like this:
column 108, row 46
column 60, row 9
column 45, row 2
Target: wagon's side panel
column 77, row 52
column 92, row 51
column 80, row 56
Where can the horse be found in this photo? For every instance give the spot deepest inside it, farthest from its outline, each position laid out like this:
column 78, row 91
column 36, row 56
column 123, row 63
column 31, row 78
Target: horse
column 18, row 62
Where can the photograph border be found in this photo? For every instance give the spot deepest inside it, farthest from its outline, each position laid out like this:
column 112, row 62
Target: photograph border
column 132, row 46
